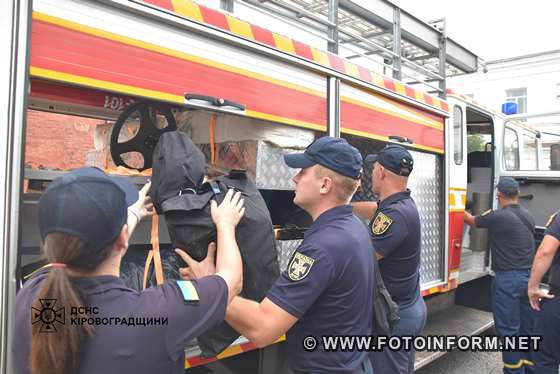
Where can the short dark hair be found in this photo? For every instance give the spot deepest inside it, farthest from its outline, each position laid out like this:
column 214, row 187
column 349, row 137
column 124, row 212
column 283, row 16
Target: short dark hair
column 345, row 186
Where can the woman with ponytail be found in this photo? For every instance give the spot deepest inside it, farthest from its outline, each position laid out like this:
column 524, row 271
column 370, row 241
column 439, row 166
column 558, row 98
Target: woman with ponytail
column 77, row 316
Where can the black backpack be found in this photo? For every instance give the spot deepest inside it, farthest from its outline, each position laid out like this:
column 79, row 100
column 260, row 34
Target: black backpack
column 385, row 310
column 178, row 193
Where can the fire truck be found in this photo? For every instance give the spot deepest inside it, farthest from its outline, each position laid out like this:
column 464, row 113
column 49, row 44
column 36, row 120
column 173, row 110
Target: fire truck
column 247, row 95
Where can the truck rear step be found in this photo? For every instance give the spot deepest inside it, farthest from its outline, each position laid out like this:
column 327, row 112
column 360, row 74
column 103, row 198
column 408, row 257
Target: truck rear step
column 455, row 320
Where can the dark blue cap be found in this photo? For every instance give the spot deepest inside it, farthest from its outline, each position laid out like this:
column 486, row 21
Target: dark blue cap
column 88, row 204
column 395, row 158
column 508, row 186
column 333, row 153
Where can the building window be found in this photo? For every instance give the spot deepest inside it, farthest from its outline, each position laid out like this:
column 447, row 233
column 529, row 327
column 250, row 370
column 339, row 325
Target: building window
column 519, row 96
column 511, row 150
column 458, row 135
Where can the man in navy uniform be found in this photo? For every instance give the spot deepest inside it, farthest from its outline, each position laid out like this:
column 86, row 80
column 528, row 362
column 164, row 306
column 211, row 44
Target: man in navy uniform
column 395, row 232
column 547, row 325
column 328, row 285
column 511, row 235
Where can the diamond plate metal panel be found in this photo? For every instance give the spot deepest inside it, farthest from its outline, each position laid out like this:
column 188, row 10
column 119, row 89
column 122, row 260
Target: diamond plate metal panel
column 425, row 182
column 263, row 161
column 272, row 172
column 286, row 249
column 239, row 155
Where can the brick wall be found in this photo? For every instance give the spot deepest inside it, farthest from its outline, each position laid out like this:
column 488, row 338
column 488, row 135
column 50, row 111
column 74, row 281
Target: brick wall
column 57, row 141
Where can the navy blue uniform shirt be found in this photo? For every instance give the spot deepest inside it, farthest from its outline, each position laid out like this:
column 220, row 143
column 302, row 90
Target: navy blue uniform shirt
column 328, row 286
column 512, row 244
column 136, row 349
column 553, row 229
column 395, row 232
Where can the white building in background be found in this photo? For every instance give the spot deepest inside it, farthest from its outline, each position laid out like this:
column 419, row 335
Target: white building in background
column 532, row 81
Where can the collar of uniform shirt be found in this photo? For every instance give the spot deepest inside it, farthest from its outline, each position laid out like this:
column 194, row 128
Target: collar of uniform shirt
column 394, row 197
column 338, row 211
column 99, row 284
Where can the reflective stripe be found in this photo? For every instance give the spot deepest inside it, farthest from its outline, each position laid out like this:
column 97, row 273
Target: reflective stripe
column 516, row 366
column 519, row 364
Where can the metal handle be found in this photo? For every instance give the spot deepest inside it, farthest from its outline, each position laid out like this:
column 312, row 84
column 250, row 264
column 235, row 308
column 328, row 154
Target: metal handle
column 216, row 101
column 400, row 139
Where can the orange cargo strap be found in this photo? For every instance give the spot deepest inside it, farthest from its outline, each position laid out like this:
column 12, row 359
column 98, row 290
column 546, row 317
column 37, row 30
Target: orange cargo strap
column 155, row 247
column 212, row 136
column 147, row 268
column 154, row 254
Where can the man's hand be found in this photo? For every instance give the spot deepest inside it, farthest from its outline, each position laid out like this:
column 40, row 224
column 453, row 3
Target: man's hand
column 541, row 263
column 140, row 209
column 143, row 207
column 469, row 219
column 230, row 211
column 197, row 269
column 535, row 296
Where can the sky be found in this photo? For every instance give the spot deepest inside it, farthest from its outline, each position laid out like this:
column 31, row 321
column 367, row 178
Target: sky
column 494, row 29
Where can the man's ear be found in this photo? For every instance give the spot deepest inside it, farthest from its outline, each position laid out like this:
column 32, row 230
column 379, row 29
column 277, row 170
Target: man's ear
column 326, row 185
column 382, row 172
column 122, row 239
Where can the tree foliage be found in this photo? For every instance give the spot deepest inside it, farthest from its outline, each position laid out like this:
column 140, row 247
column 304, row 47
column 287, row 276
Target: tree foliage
column 475, row 142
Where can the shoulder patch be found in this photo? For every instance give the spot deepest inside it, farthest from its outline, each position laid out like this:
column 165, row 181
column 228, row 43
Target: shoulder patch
column 188, row 290
column 551, row 219
column 381, row 224
column 299, row 266
column 486, row 213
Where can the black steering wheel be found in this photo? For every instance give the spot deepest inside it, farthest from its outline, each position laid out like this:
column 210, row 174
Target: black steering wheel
column 147, row 135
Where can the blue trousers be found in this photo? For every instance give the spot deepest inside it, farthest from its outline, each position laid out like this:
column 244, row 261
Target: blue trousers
column 366, row 367
column 513, row 316
column 363, row 368
column 413, row 320
column 547, row 358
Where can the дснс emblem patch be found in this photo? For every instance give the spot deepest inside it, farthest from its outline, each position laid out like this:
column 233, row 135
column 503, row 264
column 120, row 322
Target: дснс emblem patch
column 381, row 224
column 299, row 266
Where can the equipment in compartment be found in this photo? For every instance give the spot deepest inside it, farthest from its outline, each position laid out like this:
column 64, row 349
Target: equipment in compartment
column 237, row 142
column 151, row 120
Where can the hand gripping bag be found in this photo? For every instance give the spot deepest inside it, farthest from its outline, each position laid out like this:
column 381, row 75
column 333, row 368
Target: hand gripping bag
column 179, row 194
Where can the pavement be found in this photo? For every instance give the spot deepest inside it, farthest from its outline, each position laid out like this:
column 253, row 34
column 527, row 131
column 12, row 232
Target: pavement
column 457, row 362
column 460, row 362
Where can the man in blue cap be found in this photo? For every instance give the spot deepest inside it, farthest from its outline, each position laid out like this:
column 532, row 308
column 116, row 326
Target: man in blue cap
column 512, row 244
column 547, row 325
column 394, row 225
column 328, row 284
